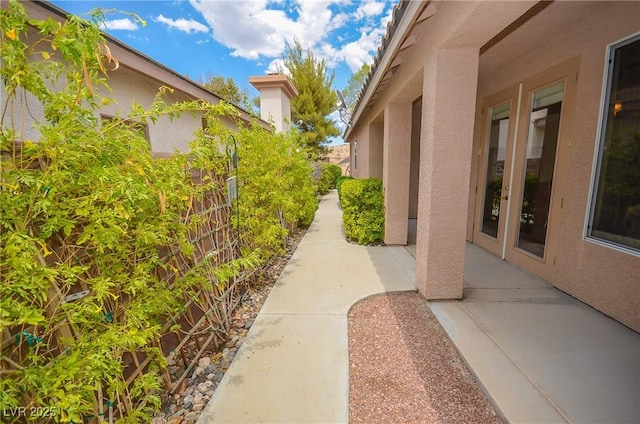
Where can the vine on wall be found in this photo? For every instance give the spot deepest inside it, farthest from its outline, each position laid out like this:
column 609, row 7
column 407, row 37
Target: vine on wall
column 87, row 215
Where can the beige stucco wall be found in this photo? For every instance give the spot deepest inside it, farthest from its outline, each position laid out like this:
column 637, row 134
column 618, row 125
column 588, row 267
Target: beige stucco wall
column 165, row 135
column 376, row 148
column 395, row 170
column 275, row 107
column 137, row 78
column 603, row 277
column 414, row 171
column 447, row 45
column 360, row 142
column 369, row 139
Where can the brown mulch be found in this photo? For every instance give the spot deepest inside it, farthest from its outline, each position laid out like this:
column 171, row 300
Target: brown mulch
column 404, row 369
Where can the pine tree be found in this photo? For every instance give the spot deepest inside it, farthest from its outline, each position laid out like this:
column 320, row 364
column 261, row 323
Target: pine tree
column 354, row 85
column 226, row 88
column 316, row 99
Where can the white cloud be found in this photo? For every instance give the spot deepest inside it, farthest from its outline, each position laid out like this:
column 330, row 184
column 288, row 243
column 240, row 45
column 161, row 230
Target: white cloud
column 255, row 29
column 120, row 24
column 185, row 25
column 369, row 9
column 276, row 66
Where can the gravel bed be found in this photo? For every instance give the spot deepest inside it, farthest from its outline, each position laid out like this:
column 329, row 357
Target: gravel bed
column 404, row 369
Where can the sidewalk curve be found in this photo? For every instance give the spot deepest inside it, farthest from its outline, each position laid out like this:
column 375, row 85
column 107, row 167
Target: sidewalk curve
column 293, row 366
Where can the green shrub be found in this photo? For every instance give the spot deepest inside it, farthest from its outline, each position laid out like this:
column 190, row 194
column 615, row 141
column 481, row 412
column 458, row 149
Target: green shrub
column 329, row 175
column 276, row 188
column 336, row 171
column 339, row 182
column 363, row 210
column 100, row 210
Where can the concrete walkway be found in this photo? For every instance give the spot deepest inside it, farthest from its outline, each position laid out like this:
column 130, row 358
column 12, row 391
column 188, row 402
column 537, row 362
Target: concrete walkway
column 293, row 367
column 540, row 355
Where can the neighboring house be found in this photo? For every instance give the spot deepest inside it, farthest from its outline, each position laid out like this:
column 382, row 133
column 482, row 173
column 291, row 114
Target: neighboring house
column 339, row 155
column 514, row 126
column 138, row 78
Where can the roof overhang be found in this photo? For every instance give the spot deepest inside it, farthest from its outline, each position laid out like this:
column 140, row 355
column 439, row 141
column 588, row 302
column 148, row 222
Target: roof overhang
column 397, row 38
column 280, row 81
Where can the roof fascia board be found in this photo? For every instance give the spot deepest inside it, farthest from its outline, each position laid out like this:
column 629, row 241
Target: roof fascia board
column 406, row 22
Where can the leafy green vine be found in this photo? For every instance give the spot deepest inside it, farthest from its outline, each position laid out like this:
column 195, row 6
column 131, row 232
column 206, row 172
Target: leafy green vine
column 87, row 214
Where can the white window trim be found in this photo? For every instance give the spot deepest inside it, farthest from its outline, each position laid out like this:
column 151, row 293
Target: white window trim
column 597, row 152
column 355, row 155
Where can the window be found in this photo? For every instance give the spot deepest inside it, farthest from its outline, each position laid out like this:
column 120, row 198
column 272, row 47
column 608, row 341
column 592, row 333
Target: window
column 615, row 208
column 355, row 154
column 139, row 128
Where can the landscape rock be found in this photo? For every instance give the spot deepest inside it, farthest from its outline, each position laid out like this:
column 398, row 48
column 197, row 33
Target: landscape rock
column 204, row 362
column 188, row 401
column 186, row 405
column 192, row 417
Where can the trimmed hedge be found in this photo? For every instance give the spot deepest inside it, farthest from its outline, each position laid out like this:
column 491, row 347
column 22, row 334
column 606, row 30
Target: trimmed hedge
column 329, row 174
column 339, row 182
column 336, row 171
column 363, row 210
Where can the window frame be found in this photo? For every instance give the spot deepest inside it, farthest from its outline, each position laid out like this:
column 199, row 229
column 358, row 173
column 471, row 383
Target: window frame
column 599, row 148
column 144, row 126
column 355, row 155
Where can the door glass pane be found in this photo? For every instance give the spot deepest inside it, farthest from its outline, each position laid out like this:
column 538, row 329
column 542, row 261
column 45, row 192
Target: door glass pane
column 496, row 152
column 542, row 140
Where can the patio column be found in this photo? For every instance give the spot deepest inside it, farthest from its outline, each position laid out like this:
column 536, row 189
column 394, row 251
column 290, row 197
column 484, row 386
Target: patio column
column 448, row 109
column 395, row 171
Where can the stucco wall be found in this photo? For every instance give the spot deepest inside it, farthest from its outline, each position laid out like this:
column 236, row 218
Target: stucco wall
column 603, row 277
column 360, row 141
column 165, row 135
column 275, row 107
column 376, row 140
column 416, row 120
column 138, row 77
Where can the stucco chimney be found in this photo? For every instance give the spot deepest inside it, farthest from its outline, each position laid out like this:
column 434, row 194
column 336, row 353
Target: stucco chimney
column 276, row 92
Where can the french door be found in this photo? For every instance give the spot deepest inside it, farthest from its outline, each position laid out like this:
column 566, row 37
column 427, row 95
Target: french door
column 524, row 147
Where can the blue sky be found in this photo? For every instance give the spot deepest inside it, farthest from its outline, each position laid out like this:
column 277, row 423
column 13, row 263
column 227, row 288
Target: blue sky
column 239, row 39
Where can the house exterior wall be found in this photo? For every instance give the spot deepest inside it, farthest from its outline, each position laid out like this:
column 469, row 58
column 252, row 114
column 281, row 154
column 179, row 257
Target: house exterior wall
column 138, row 78
column 165, row 135
column 360, row 152
column 368, row 140
column 414, row 172
column 603, row 277
column 375, row 148
column 447, row 45
column 525, row 39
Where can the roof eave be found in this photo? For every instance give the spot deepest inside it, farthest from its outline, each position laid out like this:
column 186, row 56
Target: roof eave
column 385, row 56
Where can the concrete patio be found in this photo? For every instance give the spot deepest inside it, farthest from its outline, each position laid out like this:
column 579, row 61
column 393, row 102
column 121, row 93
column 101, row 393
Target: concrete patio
column 540, row 355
